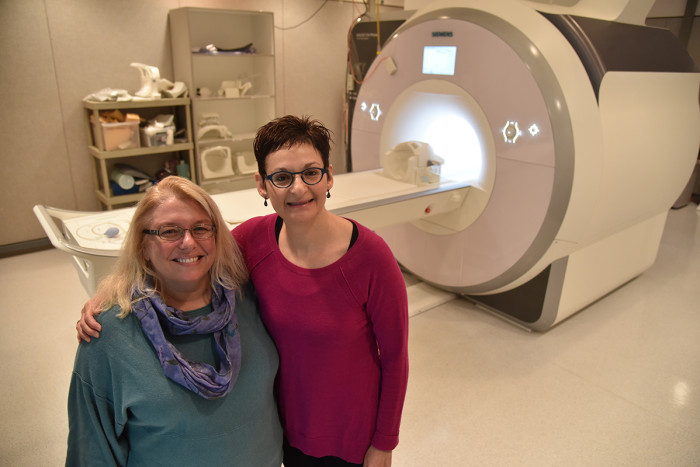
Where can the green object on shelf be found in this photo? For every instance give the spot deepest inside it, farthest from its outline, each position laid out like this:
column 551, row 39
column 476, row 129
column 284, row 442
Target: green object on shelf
column 183, row 169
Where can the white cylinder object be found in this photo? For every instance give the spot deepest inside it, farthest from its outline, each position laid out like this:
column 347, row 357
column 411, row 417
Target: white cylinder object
column 125, row 182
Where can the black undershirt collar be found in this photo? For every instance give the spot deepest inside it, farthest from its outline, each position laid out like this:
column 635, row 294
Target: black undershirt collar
column 279, row 222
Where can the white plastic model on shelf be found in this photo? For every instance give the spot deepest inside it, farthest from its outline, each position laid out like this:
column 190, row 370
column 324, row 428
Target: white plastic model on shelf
column 216, row 162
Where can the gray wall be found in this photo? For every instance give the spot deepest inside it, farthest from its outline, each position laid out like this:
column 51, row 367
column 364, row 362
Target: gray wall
column 55, row 52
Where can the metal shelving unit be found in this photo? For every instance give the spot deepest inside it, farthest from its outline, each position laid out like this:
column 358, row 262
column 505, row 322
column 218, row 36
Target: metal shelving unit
column 145, row 158
column 201, row 41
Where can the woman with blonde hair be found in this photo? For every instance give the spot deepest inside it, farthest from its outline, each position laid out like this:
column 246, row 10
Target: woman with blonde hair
column 184, row 374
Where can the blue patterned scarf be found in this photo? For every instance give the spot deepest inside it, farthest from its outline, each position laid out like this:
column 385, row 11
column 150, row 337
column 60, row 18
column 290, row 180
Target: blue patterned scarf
column 200, row 378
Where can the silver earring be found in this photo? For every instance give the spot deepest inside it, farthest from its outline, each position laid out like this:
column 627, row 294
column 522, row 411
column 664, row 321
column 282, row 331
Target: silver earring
column 328, row 194
column 265, row 203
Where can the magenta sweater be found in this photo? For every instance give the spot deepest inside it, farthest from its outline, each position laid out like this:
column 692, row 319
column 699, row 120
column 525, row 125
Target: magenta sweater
column 342, row 335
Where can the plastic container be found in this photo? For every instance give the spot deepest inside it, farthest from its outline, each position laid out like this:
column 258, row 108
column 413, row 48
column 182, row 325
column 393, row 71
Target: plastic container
column 152, row 136
column 125, row 181
column 118, row 191
column 183, row 169
column 117, row 135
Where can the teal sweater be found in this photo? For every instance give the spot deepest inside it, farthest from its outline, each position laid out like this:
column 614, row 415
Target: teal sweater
column 122, row 410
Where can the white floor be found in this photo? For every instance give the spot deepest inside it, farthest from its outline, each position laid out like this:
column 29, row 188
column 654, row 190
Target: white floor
column 617, row 384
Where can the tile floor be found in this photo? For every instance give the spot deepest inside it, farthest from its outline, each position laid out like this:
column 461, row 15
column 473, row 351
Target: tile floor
column 615, row 385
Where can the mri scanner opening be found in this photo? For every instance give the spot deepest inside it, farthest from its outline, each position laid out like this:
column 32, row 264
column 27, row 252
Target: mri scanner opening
column 450, row 122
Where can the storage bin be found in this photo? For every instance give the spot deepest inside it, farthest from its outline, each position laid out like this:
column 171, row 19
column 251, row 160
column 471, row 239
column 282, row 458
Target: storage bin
column 118, row 191
column 117, row 135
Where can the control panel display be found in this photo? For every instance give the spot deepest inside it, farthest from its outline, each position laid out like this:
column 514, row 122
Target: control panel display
column 439, row 60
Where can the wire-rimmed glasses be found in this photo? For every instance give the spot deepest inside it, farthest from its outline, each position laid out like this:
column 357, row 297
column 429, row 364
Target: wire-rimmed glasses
column 173, row 233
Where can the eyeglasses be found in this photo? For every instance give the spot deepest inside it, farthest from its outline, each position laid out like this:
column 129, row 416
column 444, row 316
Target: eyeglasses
column 172, row 233
column 284, row 178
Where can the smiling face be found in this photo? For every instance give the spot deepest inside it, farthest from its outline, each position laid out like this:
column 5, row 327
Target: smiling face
column 299, row 202
column 182, row 265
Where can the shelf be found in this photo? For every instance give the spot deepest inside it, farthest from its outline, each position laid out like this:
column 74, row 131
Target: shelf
column 233, row 139
column 119, row 199
column 141, row 151
column 230, row 183
column 223, row 98
column 136, row 104
column 232, row 178
column 229, row 54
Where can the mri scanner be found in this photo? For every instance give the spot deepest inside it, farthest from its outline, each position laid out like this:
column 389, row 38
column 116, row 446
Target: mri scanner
column 521, row 154
column 575, row 134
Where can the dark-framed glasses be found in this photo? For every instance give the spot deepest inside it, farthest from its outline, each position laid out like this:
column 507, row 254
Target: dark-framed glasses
column 284, row 178
column 172, row 233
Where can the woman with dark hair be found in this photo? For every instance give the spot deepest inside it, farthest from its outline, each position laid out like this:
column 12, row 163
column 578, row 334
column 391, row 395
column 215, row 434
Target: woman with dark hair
column 334, row 300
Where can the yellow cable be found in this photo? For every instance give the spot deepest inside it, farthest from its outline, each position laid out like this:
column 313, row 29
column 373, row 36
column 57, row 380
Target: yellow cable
column 379, row 47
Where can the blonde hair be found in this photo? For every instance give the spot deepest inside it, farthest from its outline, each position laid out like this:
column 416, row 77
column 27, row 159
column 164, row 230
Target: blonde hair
column 132, row 270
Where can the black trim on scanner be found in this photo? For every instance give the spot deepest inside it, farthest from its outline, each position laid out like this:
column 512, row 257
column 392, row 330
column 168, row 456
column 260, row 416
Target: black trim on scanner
column 525, row 303
column 606, row 46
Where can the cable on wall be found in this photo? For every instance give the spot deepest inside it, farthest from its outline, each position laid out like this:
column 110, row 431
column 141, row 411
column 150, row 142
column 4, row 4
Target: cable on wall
column 305, row 21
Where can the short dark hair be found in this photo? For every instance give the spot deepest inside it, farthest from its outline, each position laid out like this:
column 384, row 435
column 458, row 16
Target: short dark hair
column 288, row 131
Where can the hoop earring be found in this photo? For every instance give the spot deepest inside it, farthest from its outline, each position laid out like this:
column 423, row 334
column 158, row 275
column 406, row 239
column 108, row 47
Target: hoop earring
column 265, row 203
column 328, row 194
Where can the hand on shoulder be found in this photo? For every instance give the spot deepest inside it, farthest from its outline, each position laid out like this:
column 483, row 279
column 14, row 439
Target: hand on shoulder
column 87, row 326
